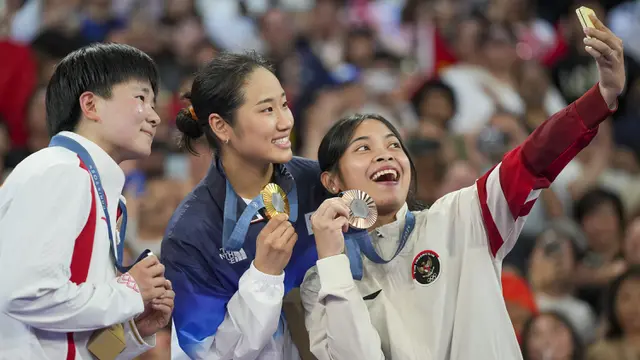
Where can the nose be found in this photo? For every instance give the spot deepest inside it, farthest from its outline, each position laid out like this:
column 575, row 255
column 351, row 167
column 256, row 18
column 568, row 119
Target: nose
column 153, row 118
column 285, row 120
column 385, row 156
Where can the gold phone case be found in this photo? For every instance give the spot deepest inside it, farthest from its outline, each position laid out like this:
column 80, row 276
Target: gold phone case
column 106, row 344
column 584, row 14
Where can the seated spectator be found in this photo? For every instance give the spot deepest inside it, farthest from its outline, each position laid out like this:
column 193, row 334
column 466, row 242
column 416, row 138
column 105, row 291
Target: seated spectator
column 600, row 213
column 550, row 336
column 551, row 270
column 622, row 341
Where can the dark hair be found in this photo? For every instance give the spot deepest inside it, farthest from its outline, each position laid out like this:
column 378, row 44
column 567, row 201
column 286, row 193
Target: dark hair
column 433, row 85
column 96, row 68
column 615, row 330
column 578, row 350
column 56, row 44
column 593, row 199
column 217, row 88
column 337, row 139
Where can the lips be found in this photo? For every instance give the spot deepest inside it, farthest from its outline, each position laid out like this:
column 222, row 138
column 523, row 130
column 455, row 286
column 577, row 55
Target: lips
column 148, row 133
column 386, row 174
column 283, row 142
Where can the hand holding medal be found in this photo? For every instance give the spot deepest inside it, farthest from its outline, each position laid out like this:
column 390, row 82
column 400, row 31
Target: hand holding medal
column 354, row 208
column 275, row 242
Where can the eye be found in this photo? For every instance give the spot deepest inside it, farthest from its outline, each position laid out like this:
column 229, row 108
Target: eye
column 362, row 148
column 395, row 145
column 285, row 105
column 267, row 110
column 141, row 97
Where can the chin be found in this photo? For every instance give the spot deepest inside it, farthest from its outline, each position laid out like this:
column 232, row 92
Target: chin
column 388, row 204
column 281, row 157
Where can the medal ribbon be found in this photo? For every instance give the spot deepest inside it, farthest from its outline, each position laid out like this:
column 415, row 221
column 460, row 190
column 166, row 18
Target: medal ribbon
column 234, row 230
column 358, row 241
column 117, row 249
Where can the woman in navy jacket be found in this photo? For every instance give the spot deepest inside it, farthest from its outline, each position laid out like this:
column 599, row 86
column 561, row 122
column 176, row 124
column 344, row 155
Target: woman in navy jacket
column 229, row 265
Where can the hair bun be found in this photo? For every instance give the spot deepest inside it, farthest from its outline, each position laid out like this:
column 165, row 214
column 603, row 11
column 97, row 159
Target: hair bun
column 187, row 125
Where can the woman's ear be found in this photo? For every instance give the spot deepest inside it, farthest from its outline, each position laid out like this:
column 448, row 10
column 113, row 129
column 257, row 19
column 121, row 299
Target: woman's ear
column 220, row 128
column 331, row 182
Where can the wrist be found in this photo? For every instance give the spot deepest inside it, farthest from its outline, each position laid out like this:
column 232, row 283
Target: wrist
column 323, row 254
column 265, row 269
column 610, row 97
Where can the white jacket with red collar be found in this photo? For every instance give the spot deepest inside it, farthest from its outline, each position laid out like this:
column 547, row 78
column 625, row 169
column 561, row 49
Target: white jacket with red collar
column 58, row 282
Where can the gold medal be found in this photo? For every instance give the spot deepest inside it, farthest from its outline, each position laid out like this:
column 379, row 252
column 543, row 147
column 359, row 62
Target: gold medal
column 362, row 210
column 275, row 200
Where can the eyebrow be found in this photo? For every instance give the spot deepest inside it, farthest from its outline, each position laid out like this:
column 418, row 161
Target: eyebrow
column 389, row 135
column 269, row 100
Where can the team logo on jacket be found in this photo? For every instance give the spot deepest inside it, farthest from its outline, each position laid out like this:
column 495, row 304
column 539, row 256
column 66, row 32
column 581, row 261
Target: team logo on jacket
column 426, row 267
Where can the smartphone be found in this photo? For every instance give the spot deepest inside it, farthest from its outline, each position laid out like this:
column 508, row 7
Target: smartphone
column 584, row 15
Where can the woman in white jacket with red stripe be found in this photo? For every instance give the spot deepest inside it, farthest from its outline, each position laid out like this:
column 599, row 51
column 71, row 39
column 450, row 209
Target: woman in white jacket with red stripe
column 428, row 283
column 60, row 245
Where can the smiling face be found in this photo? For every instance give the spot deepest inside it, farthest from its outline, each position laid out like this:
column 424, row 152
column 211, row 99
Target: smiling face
column 263, row 122
column 127, row 118
column 375, row 163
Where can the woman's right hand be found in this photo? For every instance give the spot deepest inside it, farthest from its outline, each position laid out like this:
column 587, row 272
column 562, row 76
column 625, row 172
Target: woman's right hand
column 274, row 245
column 329, row 223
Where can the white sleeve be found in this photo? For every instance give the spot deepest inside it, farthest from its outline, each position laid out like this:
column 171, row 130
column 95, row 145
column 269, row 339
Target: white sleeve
column 135, row 343
column 38, row 230
column 251, row 319
column 336, row 316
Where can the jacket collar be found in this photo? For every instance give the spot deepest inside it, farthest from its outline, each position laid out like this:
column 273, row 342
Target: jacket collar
column 111, row 174
column 216, row 182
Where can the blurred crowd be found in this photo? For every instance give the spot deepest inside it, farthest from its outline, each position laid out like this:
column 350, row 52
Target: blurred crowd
column 465, row 80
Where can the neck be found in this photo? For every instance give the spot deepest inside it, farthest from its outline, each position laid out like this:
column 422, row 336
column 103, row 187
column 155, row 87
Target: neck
column 502, row 74
column 247, row 178
column 88, row 133
column 384, row 219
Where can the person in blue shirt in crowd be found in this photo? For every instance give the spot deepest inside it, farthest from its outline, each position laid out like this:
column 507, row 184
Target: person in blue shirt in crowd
column 230, row 263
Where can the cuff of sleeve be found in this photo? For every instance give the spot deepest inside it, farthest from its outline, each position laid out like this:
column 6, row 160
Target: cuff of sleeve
column 334, row 271
column 592, row 108
column 147, row 342
column 136, row 345
column 257, row 275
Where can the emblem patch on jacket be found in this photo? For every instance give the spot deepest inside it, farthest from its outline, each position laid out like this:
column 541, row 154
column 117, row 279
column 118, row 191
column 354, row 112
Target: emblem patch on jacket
column 426, row 267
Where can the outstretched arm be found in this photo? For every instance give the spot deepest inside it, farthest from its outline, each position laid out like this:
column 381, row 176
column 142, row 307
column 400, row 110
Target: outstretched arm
column 509, row 190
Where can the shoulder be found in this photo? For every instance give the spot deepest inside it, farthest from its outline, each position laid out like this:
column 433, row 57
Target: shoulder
column 302, row 168
column 47, row 165
column 460, row 201
column 196, row 222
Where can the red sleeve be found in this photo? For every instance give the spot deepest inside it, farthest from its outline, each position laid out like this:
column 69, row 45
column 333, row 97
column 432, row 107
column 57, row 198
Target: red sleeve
column 509, row 190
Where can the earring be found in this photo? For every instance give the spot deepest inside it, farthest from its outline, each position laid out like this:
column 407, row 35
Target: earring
column 226, row 141
column 333, row 189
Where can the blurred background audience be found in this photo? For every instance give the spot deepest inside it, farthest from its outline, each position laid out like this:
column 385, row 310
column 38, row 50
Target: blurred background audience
column 464, row 80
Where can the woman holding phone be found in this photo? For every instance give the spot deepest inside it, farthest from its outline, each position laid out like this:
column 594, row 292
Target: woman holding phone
column 428, row 284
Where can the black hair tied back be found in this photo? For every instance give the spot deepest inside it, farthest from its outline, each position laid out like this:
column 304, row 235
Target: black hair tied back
column 187, row 124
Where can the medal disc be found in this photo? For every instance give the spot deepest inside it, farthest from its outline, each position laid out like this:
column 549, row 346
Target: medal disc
column 362, row 210
column 275, row 200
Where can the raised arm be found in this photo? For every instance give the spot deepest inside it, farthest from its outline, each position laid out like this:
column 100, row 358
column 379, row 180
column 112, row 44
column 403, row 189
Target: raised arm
column 509, row 190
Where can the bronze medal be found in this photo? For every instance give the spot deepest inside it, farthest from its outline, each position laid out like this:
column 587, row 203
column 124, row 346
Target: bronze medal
column 362, row 210
column 275, row 200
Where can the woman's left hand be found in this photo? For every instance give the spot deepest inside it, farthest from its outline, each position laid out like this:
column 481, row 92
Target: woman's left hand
column 607, row 49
